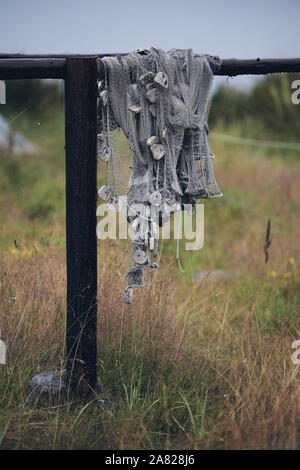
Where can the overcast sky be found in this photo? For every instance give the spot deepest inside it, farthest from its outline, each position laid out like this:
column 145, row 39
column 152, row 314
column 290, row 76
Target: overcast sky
column 232, row 28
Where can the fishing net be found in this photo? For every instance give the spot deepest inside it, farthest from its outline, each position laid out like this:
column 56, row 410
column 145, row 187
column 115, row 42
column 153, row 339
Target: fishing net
column 161, row 102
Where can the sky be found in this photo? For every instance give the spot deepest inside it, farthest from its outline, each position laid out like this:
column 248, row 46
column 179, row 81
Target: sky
column 240, row 29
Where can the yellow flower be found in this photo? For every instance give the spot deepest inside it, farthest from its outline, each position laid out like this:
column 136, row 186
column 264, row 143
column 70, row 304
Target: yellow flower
column 272, row 274
column 291, row 261
column 14, row 251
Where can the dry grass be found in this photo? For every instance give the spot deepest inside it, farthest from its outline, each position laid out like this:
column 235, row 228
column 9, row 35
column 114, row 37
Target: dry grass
column 210, row 371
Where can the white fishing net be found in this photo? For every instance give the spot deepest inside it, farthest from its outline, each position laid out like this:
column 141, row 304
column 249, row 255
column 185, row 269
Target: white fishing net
column 161, row 102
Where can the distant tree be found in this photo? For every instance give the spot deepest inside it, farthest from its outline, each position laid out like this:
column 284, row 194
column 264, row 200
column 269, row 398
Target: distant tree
column 268, row 106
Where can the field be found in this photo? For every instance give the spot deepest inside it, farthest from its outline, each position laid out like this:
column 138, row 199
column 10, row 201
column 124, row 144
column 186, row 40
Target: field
column 191, row 364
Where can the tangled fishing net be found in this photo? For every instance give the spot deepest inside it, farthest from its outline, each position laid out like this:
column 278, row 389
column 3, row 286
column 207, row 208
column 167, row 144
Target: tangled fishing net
column 161, row 102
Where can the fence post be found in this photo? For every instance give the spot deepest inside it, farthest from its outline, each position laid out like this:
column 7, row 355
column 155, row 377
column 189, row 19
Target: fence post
column 81, row 194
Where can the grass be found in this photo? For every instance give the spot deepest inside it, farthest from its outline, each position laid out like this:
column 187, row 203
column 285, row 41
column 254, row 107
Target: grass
column 191, row 365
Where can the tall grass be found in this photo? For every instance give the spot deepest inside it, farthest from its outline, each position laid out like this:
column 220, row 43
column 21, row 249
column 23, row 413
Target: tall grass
column 189, row 365
column 205, row 368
